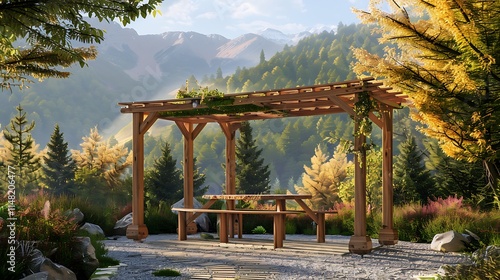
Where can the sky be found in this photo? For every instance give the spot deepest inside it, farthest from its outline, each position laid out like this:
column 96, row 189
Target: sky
column 232, row 18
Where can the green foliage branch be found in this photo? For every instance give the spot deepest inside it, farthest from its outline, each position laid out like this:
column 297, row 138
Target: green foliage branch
column 49, row 28
column 214, row 102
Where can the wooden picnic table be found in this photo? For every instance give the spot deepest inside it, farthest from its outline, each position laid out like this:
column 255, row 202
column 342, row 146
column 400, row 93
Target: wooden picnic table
column 279, row 213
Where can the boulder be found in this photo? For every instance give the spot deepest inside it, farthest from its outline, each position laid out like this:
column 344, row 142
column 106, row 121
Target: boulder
column 76, row 215
column 56, row 271
column 36, row 260
column 122, row 224
column 84, row 261
column 93, row 229
column 203, row 222
column 450, row 241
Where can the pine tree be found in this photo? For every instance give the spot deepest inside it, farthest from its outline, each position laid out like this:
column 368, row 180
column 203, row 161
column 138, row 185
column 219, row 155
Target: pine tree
column 198, row 181
column 444, row 55
column 252, row 176
column 58, row 168
column 323, row 178
column 164, row 182
column 100, row 163
column 457, row 177
column 412, row 181
column 262, row 57
column 22, row 154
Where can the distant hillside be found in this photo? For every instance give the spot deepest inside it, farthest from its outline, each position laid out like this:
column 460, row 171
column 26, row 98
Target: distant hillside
column 129, row 67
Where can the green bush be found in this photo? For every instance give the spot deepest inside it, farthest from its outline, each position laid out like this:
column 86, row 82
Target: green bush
column 481, row 268
column 290, row 227
column 160, row 219
column 259, row 230
column 166, row 272
column 252, row 221
column 104, row 213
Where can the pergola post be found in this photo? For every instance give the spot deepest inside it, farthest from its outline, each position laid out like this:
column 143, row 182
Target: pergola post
column 360, row 243
column 137, row 230
column 229, row 130
column 387, row 235
column 189, row 132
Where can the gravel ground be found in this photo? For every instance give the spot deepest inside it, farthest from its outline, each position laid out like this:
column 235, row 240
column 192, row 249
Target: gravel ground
column 199, row 259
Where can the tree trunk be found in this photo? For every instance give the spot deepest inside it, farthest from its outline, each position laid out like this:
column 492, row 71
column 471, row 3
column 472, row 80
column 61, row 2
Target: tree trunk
column 492, row 169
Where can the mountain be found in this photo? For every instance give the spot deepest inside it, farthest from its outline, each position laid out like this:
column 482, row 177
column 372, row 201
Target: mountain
column 129, row 67
column 177, row 55
column 282, row 38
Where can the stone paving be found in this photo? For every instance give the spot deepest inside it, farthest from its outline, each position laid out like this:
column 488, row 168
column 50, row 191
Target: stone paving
column 255, row 258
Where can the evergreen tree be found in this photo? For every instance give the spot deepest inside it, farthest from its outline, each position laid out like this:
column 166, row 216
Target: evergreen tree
column 262, row 57
column 22, row 155
column 198, row 181
column 444, row 56
column 164, row 182
column 314, row 181
column 457, row 177
column 412, row 181
column 58, row 168
column 99, row 164
column 252, row 176
column 323, row 179
column 49, row 28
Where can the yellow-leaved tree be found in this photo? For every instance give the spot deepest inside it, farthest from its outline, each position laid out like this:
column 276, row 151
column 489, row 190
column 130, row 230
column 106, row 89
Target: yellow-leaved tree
column 445, row 55
column 323, row 178
column 100, row 163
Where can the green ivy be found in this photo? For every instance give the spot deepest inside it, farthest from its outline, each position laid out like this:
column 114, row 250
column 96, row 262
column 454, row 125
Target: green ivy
column 362, row 108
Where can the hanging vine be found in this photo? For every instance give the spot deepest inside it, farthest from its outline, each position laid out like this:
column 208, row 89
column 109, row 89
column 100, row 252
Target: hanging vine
column 363, row 106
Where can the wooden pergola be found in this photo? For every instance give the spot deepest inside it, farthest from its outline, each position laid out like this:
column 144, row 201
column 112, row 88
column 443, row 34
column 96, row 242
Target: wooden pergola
column 191, row 116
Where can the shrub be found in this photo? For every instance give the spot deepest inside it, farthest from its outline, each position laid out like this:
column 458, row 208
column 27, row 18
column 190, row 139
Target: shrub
column 408, row 220
column 290, row 227
column 166, row 272
column 343, row 222
column 259, row 230
column 481, row 268
column 160, row 219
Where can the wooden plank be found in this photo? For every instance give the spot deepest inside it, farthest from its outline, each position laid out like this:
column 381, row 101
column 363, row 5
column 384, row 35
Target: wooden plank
column 256, row 196
column 148, row 122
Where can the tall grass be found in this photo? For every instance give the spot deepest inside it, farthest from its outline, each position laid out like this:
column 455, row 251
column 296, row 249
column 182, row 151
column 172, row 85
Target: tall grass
column 419, row 223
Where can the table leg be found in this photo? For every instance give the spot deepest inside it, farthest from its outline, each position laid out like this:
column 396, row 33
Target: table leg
column 320, row 227
column 240, row 226
column 278, row 230
column 223, row 228
column 281, row 206
column 181, row 230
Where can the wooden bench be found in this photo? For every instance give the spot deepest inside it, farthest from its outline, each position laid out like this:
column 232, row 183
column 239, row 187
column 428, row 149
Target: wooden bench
column 278, row 221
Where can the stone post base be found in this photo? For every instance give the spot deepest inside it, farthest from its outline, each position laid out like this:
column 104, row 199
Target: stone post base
column 360, row 245
column 137, row 232
column 388, row 236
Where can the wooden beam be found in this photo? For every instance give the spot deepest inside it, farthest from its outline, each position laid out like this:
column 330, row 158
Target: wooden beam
column 375, row 120
column 229, row 130
column 137, row 230
column 342, row 104
column 360, row 243
column 190, row 132
column 148, row 122
column 387, row 235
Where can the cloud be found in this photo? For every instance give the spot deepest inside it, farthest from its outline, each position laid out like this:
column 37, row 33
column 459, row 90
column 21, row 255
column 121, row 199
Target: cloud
column 181, row 12
column 260, row 25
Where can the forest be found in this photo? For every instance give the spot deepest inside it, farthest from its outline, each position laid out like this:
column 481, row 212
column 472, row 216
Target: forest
column 291, row 145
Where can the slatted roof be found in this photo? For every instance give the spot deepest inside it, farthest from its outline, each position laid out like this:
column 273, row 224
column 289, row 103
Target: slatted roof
column 268, row 104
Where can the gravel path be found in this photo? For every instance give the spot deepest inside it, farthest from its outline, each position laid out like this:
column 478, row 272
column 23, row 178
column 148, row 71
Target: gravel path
column 201, row 259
